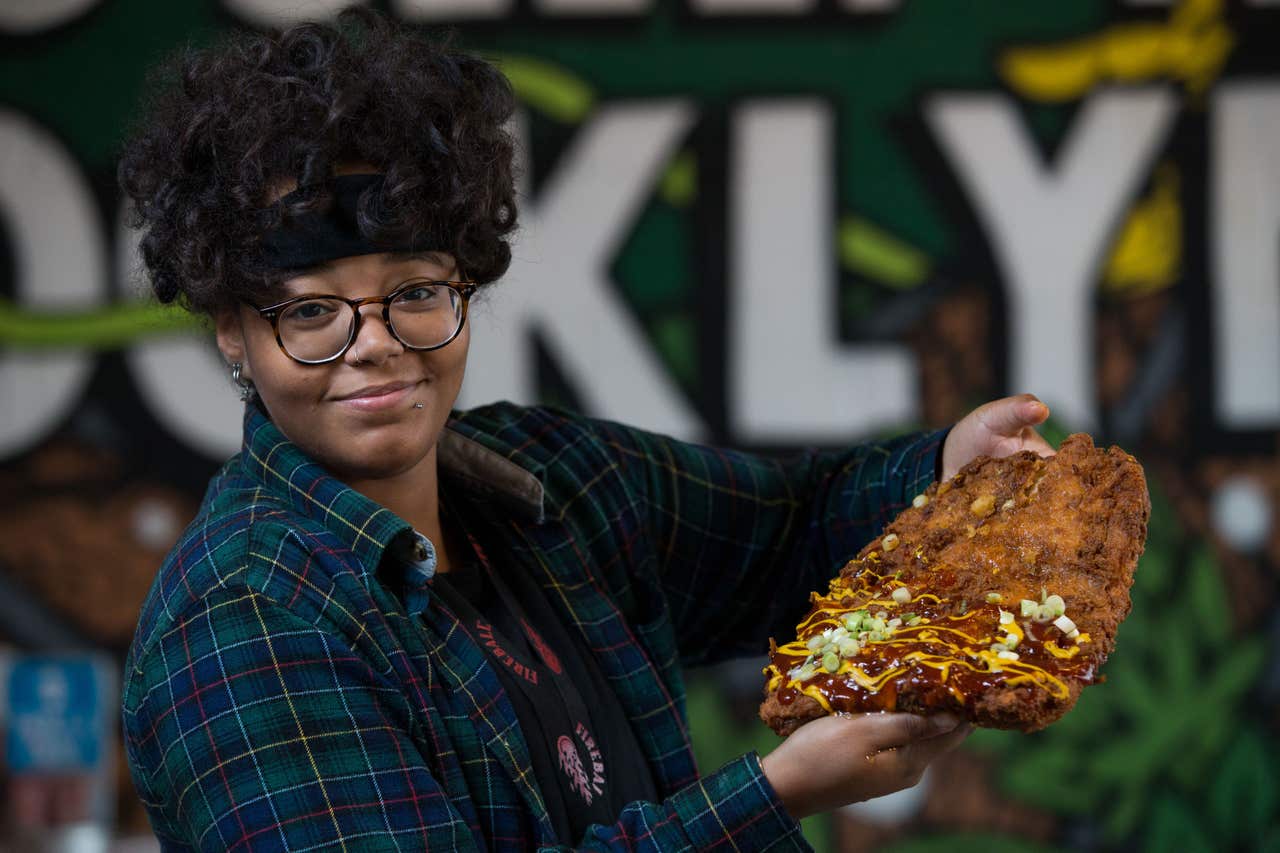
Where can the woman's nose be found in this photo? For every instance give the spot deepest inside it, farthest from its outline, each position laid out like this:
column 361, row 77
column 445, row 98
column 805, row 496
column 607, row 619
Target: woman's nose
column 374, row 342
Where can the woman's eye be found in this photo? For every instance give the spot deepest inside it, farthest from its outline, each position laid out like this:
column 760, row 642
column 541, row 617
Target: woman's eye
column 423, row 293
column 316, row 310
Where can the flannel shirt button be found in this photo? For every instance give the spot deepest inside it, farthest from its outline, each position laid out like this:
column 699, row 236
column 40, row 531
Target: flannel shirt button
column 421, row 557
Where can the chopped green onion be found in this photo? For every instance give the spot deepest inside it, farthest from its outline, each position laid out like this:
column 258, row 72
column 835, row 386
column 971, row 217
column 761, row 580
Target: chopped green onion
column 831, row 662
column 902, row 595
column 994, row 598
column 1028, row 608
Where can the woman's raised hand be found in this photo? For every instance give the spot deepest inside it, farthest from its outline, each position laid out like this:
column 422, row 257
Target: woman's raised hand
column 999, row 428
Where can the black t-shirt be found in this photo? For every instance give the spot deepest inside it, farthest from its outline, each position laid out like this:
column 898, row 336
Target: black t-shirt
column 585, row 756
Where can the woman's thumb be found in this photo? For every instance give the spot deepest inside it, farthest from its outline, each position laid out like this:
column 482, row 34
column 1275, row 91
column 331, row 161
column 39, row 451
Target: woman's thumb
column 1008, row 416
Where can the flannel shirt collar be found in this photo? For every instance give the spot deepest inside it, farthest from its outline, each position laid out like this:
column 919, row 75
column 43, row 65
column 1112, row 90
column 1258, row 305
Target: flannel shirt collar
column 477, row 461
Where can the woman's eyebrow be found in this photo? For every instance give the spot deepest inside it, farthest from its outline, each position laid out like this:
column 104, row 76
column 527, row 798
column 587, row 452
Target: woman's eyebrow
column 310, row 269
column 424, row 255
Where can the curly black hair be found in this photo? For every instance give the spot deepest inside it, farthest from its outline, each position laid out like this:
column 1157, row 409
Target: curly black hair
column 228, row 124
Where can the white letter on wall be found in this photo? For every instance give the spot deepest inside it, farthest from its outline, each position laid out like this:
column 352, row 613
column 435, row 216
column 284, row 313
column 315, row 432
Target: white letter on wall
column 279, row 13
column 1245, row 181
column 436, row 10
column 26, row 19
column 1050, row 227
column 181, row 375
column 60, row 264
column 790, row 379
column 754, row 7
column 558, row 283
column 592, row 7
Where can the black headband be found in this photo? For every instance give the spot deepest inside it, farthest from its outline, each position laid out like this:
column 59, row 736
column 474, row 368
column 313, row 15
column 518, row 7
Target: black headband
column 312, row 238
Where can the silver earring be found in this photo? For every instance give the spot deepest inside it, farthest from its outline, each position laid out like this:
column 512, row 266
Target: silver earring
column 245, row 386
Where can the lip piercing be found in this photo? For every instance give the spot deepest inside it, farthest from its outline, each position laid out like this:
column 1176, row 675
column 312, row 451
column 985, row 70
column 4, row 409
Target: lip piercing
column 417, row 405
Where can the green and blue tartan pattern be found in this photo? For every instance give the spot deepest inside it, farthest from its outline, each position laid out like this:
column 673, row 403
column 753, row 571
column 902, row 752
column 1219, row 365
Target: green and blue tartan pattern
column 279, row 696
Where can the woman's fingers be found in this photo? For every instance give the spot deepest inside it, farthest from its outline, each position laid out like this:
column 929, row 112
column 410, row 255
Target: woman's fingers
column 1009, row 416
column 998, row 428
column 908, row 762
column 836, row 760
column 1032, row 440
column 887, row 731
column 922, row 751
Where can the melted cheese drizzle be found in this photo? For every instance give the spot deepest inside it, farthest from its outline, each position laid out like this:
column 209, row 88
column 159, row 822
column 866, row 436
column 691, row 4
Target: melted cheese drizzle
column 944, row 642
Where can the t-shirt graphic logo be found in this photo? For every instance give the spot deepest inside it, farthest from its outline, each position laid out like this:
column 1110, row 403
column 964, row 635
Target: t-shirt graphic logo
column 543, row 650
column 571, row 764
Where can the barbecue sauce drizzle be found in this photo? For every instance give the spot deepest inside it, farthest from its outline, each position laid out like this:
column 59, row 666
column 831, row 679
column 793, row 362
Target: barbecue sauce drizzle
column 945, row 658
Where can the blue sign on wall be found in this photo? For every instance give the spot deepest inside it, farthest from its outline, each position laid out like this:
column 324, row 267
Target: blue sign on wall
column 57, row 714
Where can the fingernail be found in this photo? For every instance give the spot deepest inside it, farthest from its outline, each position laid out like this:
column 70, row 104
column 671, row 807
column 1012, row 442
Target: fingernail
column 944, row 722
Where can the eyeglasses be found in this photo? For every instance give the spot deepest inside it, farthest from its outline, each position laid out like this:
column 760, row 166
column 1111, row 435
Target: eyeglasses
column 420, row 314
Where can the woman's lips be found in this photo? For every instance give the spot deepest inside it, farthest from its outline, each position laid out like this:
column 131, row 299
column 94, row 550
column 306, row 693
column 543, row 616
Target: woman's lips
column 380, row 397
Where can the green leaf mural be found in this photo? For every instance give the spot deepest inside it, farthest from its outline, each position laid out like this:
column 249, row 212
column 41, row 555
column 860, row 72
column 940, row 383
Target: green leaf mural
column 1174, row 829
column 1245, row 791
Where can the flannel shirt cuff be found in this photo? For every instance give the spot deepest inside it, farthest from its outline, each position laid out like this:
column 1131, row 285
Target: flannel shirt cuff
column 736, row 808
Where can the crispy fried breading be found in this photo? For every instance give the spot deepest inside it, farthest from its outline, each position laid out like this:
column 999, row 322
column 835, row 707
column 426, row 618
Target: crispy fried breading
column 971, row 575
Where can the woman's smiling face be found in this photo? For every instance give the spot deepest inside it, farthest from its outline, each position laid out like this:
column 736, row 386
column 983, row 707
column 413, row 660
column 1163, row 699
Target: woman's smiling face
column 355, row 415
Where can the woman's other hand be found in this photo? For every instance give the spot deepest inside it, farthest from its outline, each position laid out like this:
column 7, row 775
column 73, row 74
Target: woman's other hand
column 833, row 761
column 999, row 428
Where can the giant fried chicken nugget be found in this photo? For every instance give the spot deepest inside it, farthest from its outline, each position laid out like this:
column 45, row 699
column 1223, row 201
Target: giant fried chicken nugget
column 995, row 596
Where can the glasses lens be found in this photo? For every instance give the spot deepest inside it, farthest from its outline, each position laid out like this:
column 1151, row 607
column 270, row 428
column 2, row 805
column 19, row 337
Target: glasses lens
column 427, row 315
column 315, row 329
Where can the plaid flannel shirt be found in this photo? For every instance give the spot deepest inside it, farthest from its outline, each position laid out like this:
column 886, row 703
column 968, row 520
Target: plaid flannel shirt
column 279, row 695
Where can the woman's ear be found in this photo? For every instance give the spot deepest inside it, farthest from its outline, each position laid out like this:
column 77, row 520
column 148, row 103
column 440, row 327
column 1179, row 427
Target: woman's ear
column 230, row 334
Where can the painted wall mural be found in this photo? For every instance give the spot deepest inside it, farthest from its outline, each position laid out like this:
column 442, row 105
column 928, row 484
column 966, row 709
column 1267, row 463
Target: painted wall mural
column 769, row 224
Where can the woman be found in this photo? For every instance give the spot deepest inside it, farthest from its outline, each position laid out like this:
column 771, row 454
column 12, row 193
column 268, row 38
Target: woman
column 393, row 626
